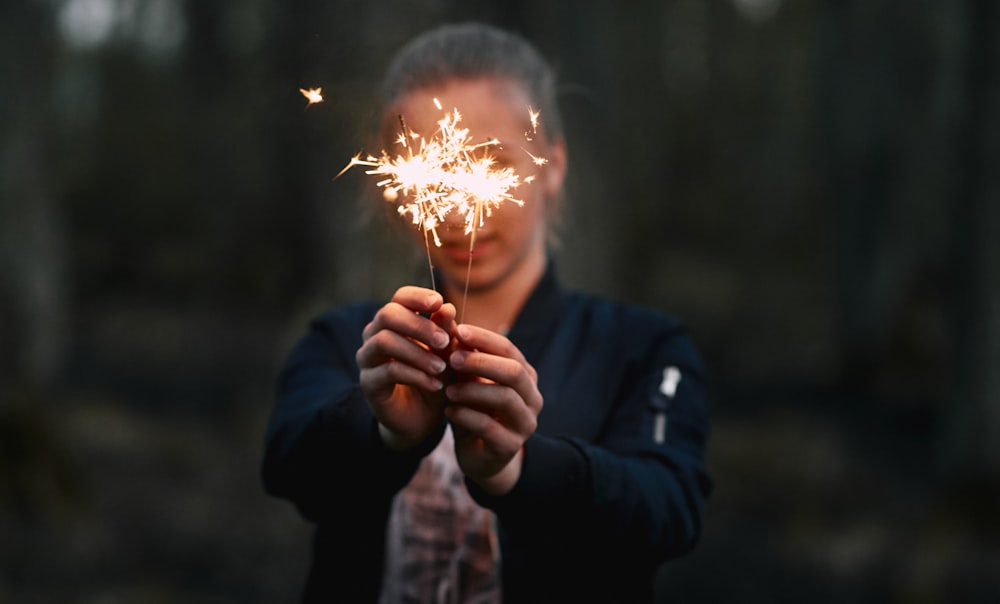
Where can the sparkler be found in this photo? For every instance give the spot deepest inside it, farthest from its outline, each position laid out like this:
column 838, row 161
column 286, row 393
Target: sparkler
column 444, row 173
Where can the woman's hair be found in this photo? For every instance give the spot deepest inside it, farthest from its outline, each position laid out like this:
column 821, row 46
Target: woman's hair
column 470, row 51
column 473, row 50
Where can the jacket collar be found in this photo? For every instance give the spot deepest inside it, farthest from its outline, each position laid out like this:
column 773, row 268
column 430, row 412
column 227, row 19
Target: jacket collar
column 539, row 316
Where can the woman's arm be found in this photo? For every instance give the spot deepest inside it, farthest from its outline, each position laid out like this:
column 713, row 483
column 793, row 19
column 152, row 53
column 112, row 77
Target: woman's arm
column 639, row 489
column 323, row 449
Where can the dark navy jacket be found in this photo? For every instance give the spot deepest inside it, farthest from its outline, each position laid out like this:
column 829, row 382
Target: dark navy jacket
column 608, row 490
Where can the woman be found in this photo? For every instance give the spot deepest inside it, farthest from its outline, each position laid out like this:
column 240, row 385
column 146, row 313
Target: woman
column 545, row 446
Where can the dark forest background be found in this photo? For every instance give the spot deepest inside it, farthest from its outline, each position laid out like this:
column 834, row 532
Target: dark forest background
column 811, row 185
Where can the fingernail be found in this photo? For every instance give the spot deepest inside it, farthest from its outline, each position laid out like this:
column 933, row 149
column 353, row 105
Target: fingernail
column 458, row 357
column 438, row 365
column 440, row 340
column 463, row 331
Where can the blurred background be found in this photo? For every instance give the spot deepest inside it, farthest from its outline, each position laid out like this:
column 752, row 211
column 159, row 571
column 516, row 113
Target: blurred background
column 810, row 185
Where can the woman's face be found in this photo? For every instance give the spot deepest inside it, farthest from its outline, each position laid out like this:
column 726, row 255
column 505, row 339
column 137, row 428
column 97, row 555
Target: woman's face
column 513, row 239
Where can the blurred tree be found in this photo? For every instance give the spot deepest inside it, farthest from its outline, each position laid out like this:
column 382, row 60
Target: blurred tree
column 972, row 438
column 34, row 287
column 909, row 103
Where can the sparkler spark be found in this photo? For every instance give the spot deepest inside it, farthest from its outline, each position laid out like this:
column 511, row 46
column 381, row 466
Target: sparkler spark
column 313, row 95
column 538, row 161
column 533, row 116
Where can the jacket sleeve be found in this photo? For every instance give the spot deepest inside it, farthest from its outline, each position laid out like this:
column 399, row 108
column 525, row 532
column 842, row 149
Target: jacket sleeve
column 322, row 448
column 637, row 491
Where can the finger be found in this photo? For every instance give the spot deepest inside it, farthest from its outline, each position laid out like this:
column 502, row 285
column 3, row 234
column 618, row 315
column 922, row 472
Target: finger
column 385, row 346
column 502, row 403
column 445, row 318
column 405, row 321
column 418, row 299
column 496, row 437
column 518, row 375
column 386, row 376
column 484, row 340
column 414, row 299
column 478, row 338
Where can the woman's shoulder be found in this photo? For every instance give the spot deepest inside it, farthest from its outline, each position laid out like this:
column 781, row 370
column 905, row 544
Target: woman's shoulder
column 605, row 310
column 340, row 322
column 350, row 312
column 642, row 329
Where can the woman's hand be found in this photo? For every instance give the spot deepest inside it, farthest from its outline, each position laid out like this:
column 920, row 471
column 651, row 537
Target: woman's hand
column 494, row 407
column 402, row 366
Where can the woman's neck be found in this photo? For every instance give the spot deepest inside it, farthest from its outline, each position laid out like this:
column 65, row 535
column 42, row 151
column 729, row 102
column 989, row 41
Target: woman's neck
column 496, row 307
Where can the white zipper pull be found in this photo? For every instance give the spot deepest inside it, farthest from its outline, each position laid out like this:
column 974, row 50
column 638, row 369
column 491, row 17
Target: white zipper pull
column 668, row 388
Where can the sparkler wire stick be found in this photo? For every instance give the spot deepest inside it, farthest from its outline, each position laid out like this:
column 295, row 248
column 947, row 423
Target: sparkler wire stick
column 427, row 245
column 468, row 274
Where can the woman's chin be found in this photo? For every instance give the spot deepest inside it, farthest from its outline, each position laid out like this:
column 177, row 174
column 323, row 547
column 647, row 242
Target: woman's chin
column 460, row 274
column 459, row 253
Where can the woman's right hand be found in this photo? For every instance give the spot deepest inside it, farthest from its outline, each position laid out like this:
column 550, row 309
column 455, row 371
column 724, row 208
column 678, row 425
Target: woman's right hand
column 402, row 365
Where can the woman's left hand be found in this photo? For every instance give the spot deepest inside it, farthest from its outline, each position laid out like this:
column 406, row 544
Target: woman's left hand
column 494, row 407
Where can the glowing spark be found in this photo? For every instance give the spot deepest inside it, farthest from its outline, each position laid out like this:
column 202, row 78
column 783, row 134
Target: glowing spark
column 539, row 161
column 313, row 95
column 355, row 161
column 533, row 116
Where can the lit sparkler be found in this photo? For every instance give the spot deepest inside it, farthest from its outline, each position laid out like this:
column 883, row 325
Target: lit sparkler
column 444, row 173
